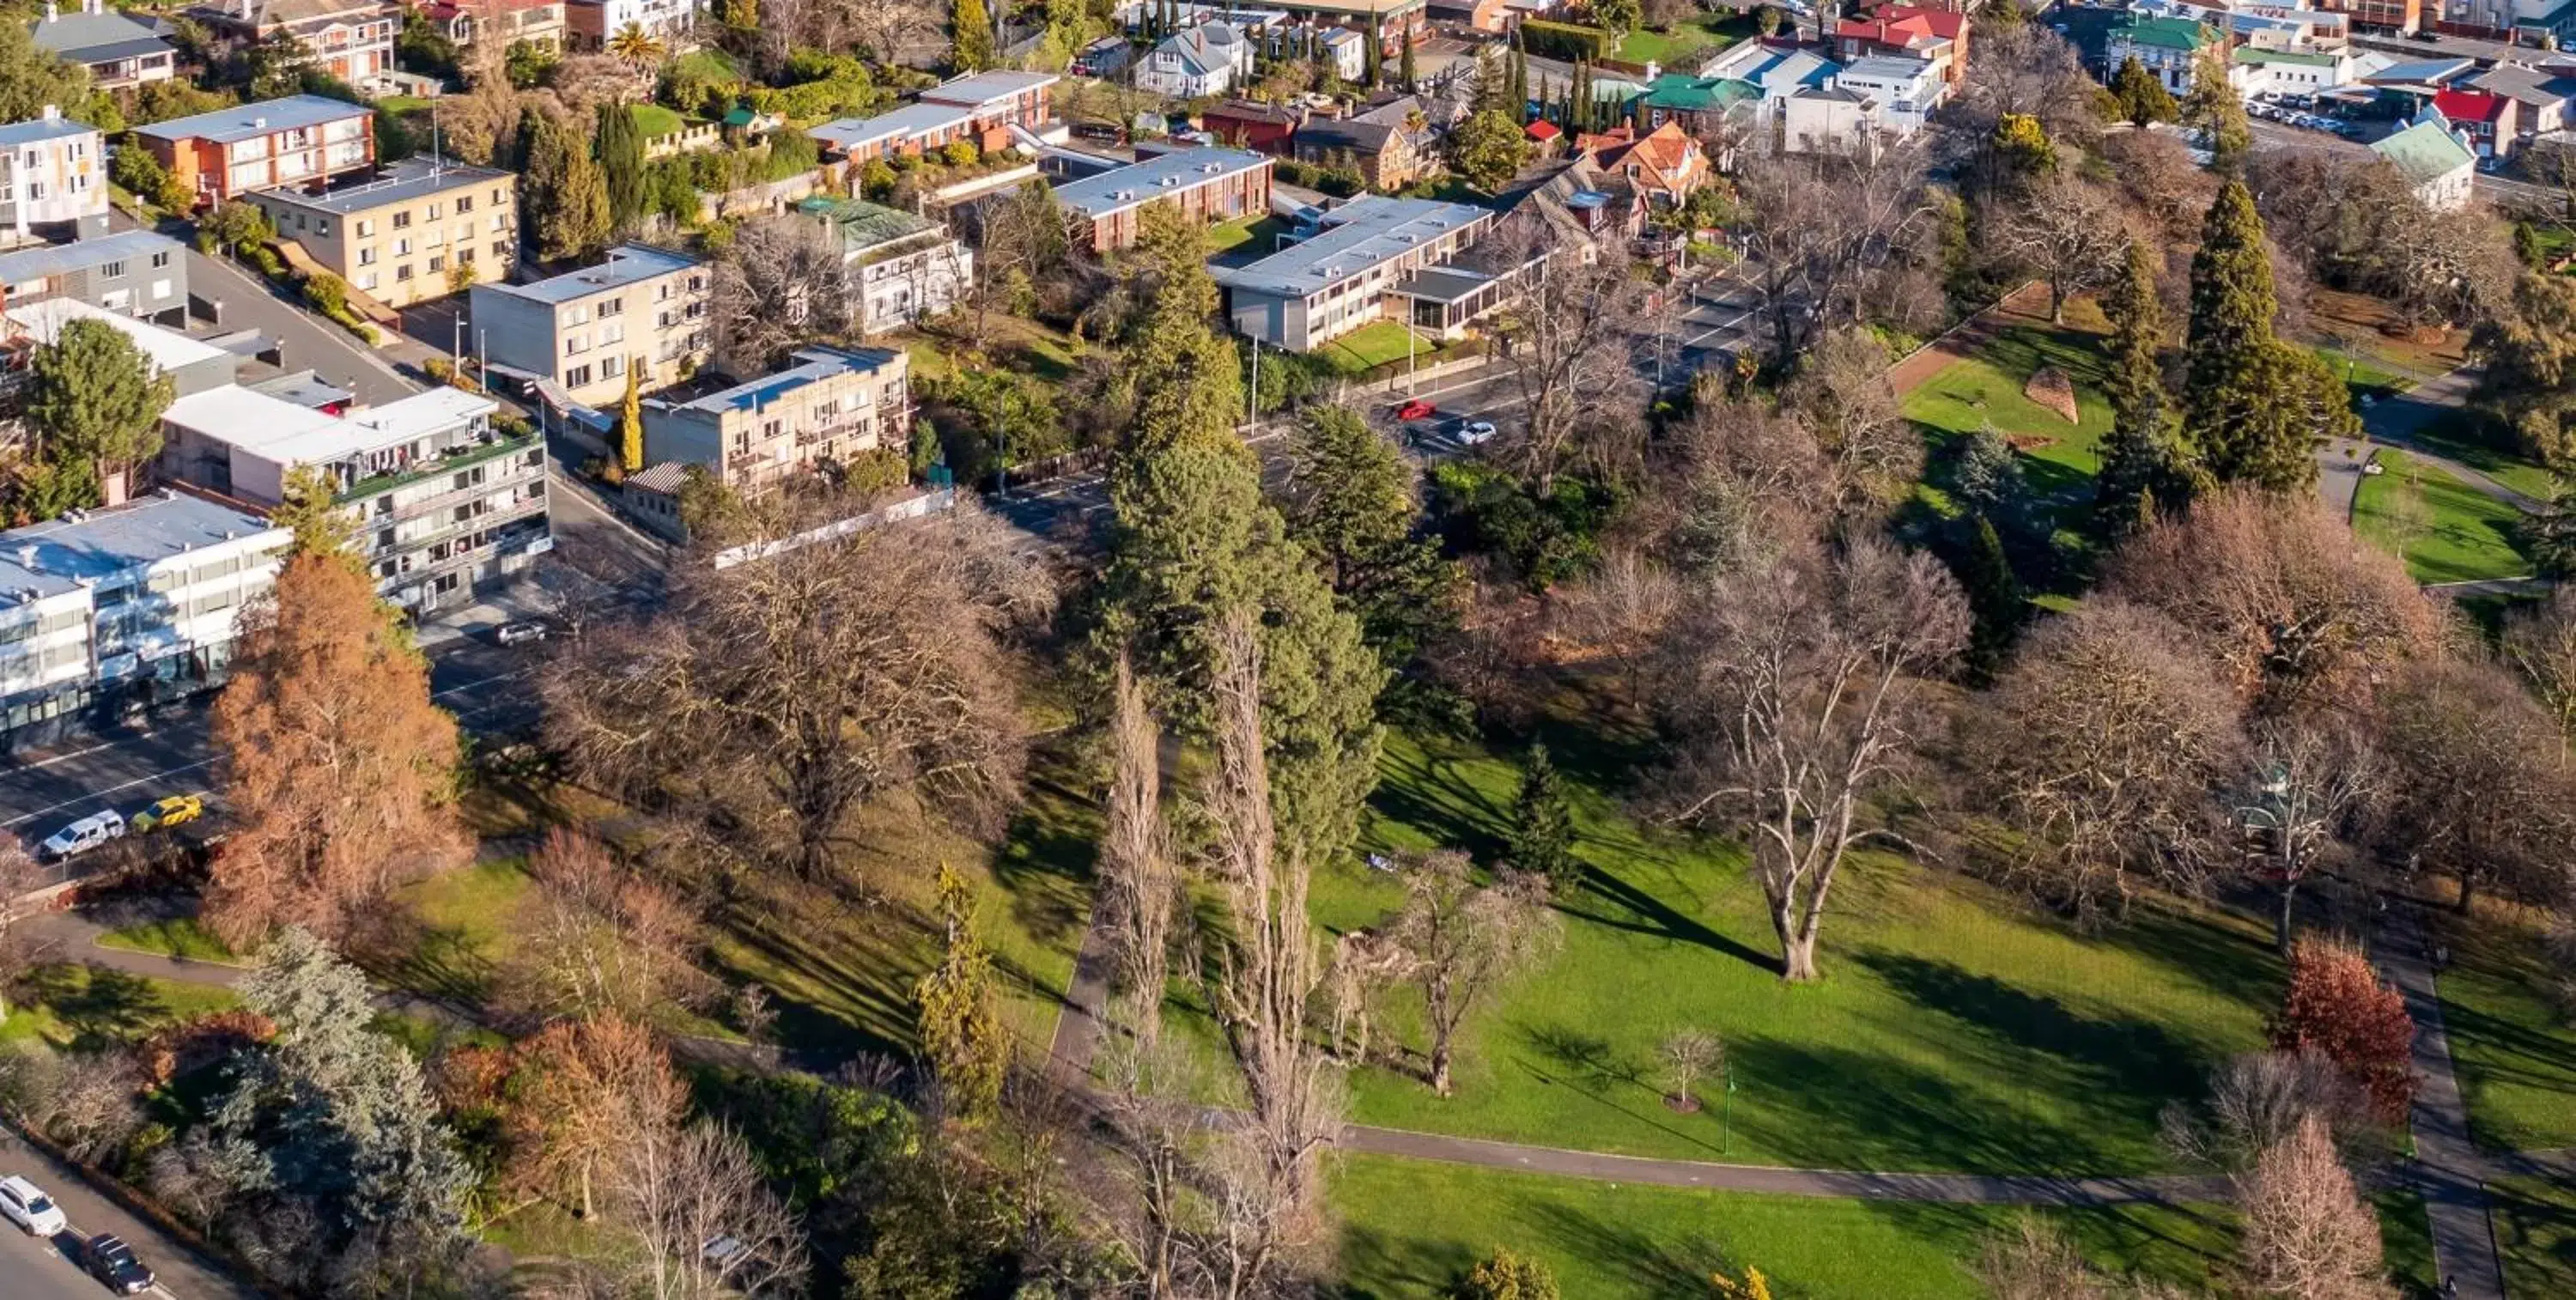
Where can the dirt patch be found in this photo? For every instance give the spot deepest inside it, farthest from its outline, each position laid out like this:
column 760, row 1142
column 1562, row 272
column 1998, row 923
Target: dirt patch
column 2051, row 390
column 2029, row 441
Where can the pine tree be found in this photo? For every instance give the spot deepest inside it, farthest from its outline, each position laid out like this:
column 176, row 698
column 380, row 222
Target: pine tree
column 2143, row 98
column 972, row 30
column 2213, row 108
column 1542, row 834
column 2252, row 406
column 1412, row 81
column 97, row 400
column 309, row 509
column 1520, row 80
column 630, row 420
column 621, row 164
column 961, row 1033
column 1994, row 596
column 2138, row 456
column 2549, row 533
column 563, row 192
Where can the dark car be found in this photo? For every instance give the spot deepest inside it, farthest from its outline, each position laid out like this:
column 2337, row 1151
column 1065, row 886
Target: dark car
column 111, row 1261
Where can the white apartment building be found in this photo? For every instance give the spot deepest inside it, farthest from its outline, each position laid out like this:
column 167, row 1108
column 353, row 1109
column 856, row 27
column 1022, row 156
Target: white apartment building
column 1346, row 274
column 908, row 266
column 53, row 173
column 1905, row 89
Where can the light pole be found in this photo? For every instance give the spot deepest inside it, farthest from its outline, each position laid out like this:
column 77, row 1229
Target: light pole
column 1726, row 1123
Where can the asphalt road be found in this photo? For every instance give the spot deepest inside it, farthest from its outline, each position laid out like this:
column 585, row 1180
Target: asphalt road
column 34, row 1269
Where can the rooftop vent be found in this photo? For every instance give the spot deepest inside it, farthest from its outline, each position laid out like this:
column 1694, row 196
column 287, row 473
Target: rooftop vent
column 26, row 557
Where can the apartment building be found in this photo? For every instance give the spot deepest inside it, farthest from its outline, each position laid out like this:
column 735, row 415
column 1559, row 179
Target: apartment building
column 398, row 234
column 193, row 365
column 132, row 273
column 301, row 139
column 1343, row 277
column 909, row 266
column 111, row 609
column 833, row 405
column 541, row 23
column 444, row 502
column 644, row 306
column 53, row 176
column 118, row 52
column 352, row 40
column 591, row 23
column 981, row 107
column 1207, row 185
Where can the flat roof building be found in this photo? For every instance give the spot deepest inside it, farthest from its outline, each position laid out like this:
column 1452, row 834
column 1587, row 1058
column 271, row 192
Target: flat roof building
column 1341, row 278
column 117, row 51
column 399, row 234
column 290, row 141
column 833, row 406
column 132, row 273
column 579, row 331
column 53, row 177
column 1207, row 185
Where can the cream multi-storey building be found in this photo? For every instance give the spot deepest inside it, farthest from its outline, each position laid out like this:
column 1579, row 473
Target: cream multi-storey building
column 53, row 172
column 397, row 236
column 644, row 307
column 833, row 405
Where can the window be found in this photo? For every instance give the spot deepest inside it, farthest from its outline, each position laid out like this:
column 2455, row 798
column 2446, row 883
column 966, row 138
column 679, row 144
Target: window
column 402, row 221
column 367, row 281
column 501, row 249
column 465, row 256
column 576, row 344
column 612, row 367
column 437, row 264
column 464, row 204
column 577, row 377
column 402, row 272
column 499, row 197
column 614, row 332
column 160, row 260
column 366, row 228
column 433, row 212
column 112, row 271
column 402, row 248
column 322, row 227
column 612, row 307
column 366, row 257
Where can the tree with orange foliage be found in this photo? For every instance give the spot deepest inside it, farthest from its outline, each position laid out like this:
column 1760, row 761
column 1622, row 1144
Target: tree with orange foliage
column 2338, row 1008
column 584, row 1091
column 340, row 766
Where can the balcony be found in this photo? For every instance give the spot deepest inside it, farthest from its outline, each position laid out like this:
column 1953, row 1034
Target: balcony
column 454, row 460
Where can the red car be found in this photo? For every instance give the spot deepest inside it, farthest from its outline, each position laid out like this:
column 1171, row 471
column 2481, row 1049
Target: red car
column 1417, row 409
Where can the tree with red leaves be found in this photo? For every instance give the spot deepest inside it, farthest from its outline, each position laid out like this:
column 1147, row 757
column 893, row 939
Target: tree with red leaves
column 2338, row 1008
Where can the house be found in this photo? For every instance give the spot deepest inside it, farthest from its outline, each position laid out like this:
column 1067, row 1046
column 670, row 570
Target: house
column 2167, row 47
column 591, row 24
column 2490, row 120
column 1391, row 145
column 1340, row 278
column 1389, row 24
column 1770, row 74
column 1493, row 17
column 998, row 101
column 1207, row 185
column 1345, row 52
column 1249, row 124
column 651, row 497
column 2404, row 17
column 1699, row 105
column 988, row 109
column 191, row 364
column 118, row 608
column 398, row 234
column 1937, row 35
column 444, row 503
column 53, row 177
column 1103, row 58
column 1582, row 205
column 543, row 24
column 2290, row 72
column 1544, row 138
column 1666, row 166
column 1830, row 119
column 132, row 273
column 1906, row 89
column 119, row 52
column 2541, row 95
column 2437, row 163
column 296, row 140
column 2272, row 26
column 910, row 266
column 580, row 331
column 352, row 40
column 1196, row 62
column 833, row 406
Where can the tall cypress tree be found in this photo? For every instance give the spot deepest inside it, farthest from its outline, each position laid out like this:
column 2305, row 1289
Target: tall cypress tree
column 973, row 33
column 1412, row 82
column 2138, row 457
column 621, row 158
column 1520, row 79
column 2236, row 389
column 1542, row 831
column 1994, row 597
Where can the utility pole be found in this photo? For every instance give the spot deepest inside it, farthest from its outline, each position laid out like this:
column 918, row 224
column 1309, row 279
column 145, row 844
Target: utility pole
column 1252, row 395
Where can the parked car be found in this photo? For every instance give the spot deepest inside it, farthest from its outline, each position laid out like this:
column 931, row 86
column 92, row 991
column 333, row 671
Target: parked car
column 521, row 632
column 82, row 836
column 1477, row 433
column 177, row 810
column 1417, row 409
column 25, row 1204
column 113, row 1263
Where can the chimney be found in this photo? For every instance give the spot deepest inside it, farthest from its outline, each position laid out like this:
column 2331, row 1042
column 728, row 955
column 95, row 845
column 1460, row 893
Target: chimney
column 53, row 112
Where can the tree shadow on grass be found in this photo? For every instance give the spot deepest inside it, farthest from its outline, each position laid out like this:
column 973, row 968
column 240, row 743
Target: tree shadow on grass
column 1649, row 1265
column 1823, row 1106
column 1590, row 1068
column 100, row 1005
column 2124, row 1053
column 2233, row 964
column 1379, row 1265
column 1647, row 915
column 1046, row 863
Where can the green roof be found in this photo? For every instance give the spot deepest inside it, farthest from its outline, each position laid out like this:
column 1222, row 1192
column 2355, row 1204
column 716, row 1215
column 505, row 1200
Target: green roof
column 1686, row 93
column 861, row 225
column 2166, row 33
column 2424, row 152
column 2248, row 54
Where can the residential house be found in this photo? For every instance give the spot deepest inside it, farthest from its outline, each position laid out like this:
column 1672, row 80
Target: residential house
column 591, row 24
column 578, row 332
column 192, row 365
column 993, row 110
column 398, row 235
column 1391, row 146
column 1390, row 24
column 131, row 272
column 1583, row 205
column 2434, row 160
column 2290, row 72
column 2167, row 47
column 119, row 52
column 1770, row 74
column 1831, row 119
column 1665, row 165
column 1103, row 59
column 1341, row 277
column 1250, row 124
column 910, row 266
column 651, row 497
column 1699, row 105
column 1196, row 62
column 107, row 610
column 53, row 177
column 1206, row 185
column 1345, row 52
column 444, row 502
column 352, row 40
column 301, row 139
column 996, row 102
column 832, row 406
column 1493, row 17
column 1939, row 36
column 2269, row 26
column 1906, row 89
column 2541, row 95
column 541, row 23
column 2490, row 120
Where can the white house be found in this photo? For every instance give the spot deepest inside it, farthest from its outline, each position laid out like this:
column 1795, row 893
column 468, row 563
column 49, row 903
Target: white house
column 1203, row 60
column 1905, row 89
column 2289, row 72
column 2433, row 159
column 1830, row 120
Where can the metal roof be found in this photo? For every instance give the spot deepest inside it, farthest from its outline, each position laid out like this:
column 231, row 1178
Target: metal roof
column 166, row 349
column 99, row 36
column 985, row 87
column 814, row 365
column 912, row 119
column 1888, row 67
column 58, row 555
column 43, row 128
column 627, row 264
column 2426, row 151
column 396, row 182
column 1361, row 234
column 251, row 121
column 18, row 266
column 862, row 225
column 1154, row 178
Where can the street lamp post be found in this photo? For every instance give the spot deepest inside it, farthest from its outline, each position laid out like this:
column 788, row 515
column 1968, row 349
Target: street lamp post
column 1726, row 1128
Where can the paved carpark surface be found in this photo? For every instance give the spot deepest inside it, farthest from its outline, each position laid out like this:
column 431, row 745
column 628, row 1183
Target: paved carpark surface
column 47, row 1269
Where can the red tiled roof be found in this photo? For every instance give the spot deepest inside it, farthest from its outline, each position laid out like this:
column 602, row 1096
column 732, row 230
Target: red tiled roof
column 2469, row 105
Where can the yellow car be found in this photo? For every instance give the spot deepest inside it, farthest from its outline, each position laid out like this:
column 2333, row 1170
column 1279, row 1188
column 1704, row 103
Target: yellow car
column 176, row 810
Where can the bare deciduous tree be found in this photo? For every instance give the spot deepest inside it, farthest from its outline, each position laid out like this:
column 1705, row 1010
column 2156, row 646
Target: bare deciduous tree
column 2069, row 232
column 1566, row 345
column 2032, row 1261
column 1873, row 454
column 2474, row 784
column 698, row 1219
column 2308, row 1234
column 1789, row 700
column 1463, row 939
column 1686, row 1056
column 589, row 1089
column 1142, row 886
column 890, row 28
column 1822, row 228
column 2156, row 172
column 2310, row 786
column 2540, row 642
column 597, row 939
column 2257, row 1100
column 21, row 947
column 782, row 282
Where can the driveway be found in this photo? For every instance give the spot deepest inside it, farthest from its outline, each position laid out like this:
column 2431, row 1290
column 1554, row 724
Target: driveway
column 308, row 341
column 33, row 1269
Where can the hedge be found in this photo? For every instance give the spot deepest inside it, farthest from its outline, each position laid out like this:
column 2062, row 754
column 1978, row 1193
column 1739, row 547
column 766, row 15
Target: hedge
column 1564, row 40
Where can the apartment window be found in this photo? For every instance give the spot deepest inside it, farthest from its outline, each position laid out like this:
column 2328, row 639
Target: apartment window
column 402, row 272
column 366, row 227
column 500, row 197
column 367, row 281
column 501, row 249
column 402, row 248
column 433, row 212
column 464, row 204
column 500, row 221
column 612, row 367
column 612, row 307
column 465, row 257
column 322, row 226
column 366, row 257
column 577, row 377
column 577, row 316
column 112, row 271
column 402, row 221
column 160, row 261
column 613, row 332
column 576, row 344
column 437, row 264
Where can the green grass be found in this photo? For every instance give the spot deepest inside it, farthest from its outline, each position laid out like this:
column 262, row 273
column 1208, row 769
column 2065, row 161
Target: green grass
column 1373, row 345
column 2535, row 1228
column 2467, row 535
column 1952, row 1030
column 402, row 104
column 1701, row 32
column 2511, row 1042
column 1256, row 232
column 707, row 62
column 1412, row 1228
column 2406, row 1242
column 181, row 937
column 655, row 121
column 86, row 1006
column 2455, row 436
column 2060, row 459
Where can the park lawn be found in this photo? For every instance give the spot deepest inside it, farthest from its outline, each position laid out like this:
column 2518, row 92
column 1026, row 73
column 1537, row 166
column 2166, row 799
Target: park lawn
column 655, row 121
column 2363, row 376
column 1412, row 1228
column 2455, row 435
column 402, row 104
column 2406, row 1242
column 2469, row 535
column 1953, row 1030
column 2512, row 1044
column 68, row 1004
column 710, row 63
column 2058, row 460
column 2359, row 325
column 2535, row 1229
column 1373, row 345
column 181, row 937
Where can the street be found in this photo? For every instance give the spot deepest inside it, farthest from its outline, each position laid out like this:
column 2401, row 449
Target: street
column 33, row 1269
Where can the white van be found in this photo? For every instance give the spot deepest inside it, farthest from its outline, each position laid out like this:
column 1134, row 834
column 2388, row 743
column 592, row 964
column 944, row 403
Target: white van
column 82, row 836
